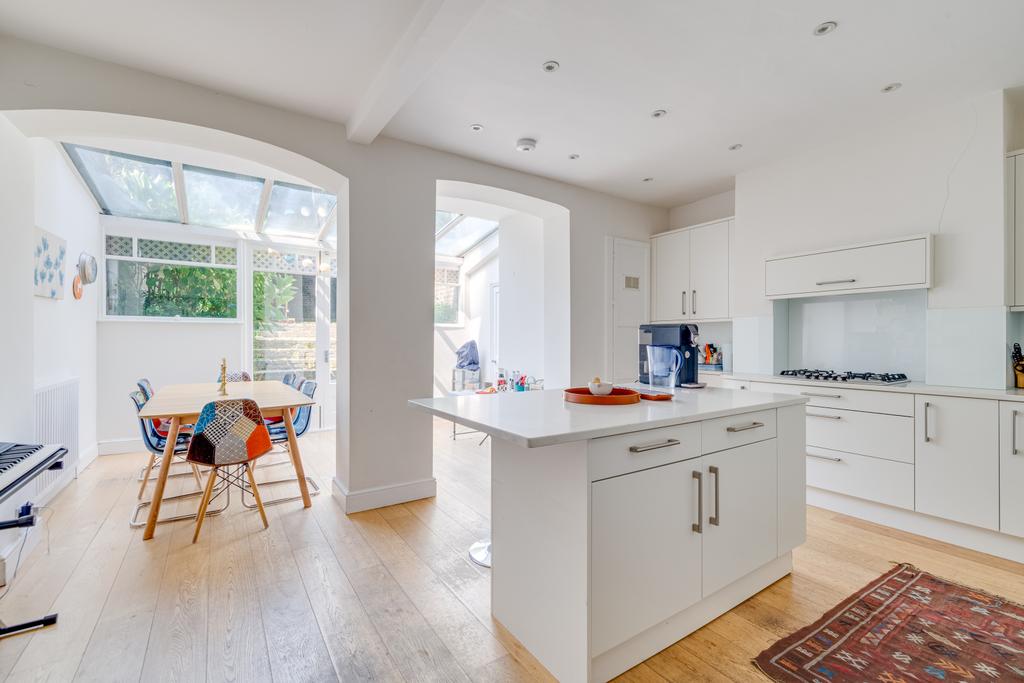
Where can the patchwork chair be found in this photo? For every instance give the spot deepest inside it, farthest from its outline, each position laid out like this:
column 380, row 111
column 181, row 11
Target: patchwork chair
column 228, row 437
column 155, row 442
column 279, row 436
column 239, row 376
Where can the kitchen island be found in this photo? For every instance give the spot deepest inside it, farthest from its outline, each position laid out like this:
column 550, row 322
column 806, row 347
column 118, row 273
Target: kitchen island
column 618, row 530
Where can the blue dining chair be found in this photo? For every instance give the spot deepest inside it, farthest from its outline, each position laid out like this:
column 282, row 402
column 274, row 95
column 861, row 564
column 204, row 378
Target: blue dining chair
column 146, row 387
column 155, row 442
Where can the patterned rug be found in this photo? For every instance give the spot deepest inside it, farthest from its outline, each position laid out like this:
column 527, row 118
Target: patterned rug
column 906, row 626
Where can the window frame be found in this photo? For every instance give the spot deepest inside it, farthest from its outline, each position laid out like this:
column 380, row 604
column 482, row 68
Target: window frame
column 141, row 228
column 456, row 263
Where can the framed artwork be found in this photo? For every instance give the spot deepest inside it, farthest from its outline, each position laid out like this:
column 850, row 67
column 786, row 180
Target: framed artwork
column 49, row 253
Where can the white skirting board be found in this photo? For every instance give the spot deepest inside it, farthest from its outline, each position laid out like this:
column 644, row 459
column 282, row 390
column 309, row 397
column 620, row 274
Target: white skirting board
column 117, row 446
column 975, row 538
column 381, row 496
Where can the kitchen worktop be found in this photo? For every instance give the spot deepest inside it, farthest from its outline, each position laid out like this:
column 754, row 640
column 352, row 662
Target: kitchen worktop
column 543, row 418
column 911, row 388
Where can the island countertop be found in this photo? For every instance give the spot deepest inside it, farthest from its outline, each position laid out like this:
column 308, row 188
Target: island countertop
column 543, row 418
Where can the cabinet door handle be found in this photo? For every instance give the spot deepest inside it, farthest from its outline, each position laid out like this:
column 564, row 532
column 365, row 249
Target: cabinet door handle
column 715, row 518
column 927, row 438
column 667, row 443
column 693, row 301
column 836, row 282
column 752, row 425
column 823, row 457
column 811, row 393
column 684, row 302
column 1013, row 431
column 699, row 526
column 826, row 417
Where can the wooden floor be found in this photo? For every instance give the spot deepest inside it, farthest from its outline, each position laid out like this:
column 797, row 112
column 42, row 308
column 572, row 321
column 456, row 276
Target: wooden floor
column 385, row 595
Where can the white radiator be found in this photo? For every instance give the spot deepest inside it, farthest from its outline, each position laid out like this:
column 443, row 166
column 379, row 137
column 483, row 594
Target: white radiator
column 57, row 422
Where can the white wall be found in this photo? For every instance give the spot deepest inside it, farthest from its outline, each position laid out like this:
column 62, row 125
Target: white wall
column 939, row 172
column 521, row 332
column 386, row 249
column 65, row 330
column 166, row 353
column 16, row 303
column 713, row 208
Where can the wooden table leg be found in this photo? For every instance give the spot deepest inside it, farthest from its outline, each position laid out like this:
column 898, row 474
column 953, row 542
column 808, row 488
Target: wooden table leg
column 161, row 479
column 293, row 450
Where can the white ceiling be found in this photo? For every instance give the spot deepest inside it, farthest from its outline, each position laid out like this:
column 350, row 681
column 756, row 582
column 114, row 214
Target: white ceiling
column 743, row 71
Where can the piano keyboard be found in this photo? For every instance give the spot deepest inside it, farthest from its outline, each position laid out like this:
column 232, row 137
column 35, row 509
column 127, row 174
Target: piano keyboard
column 20, row 463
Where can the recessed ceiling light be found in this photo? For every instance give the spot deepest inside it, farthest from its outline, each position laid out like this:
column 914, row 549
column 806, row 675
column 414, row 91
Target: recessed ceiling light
column 658, row 113
column 892, row 87
column 476, row 128
column 551, row 65
column 574, row 157
column 825, row 28
column 526, row 145
column 735, row 148
column 647, row 179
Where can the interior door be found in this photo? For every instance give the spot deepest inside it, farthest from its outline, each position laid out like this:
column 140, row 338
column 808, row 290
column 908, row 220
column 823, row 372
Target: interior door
column 672, row 276
column 709, row 271
column 956, row 463
column 645, row 556
column 740, row 512
column 629, row 305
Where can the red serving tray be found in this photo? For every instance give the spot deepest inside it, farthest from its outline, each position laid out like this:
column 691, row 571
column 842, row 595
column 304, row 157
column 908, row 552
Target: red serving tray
column 618, row 397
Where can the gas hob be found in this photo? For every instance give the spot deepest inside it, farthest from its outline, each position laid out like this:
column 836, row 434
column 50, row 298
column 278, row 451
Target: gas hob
column 878, row 378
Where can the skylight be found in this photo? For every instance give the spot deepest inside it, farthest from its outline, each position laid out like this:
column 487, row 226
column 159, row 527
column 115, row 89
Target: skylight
column 463, row 236
column 128, row 185
column 218, row 199
column 133, row 186
column 298, row 210
column 443, row 218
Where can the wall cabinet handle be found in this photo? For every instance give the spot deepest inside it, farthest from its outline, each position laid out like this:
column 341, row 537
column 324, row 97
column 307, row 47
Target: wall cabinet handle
column 826, row 417
column 836, row 282
column 693, row 301
column 811, row 393
column 715, row 518
column 752, row 425
column 667, row 443
column 699, row 526
column 684, row 302
column 823, row 457
column 1013, row 431
column 927, row 438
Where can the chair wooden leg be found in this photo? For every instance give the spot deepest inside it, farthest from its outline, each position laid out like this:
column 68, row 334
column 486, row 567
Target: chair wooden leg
column 199, row 480
column 145, row 475
column 256, row 494
column 211, row 478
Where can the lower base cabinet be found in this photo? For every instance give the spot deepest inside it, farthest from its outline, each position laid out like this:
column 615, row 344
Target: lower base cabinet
column 677, row 533
column 1011, row 468
column 956, row 464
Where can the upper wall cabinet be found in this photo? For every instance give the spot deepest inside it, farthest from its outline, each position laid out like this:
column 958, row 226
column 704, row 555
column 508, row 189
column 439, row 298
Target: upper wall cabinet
column 1015, row 224
column 904, row 263
column 691, row 273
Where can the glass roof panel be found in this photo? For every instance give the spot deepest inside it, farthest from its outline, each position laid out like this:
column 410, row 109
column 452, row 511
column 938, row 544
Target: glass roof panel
column 127, row 185
column 443, row 218
column 219, row 199
column 464, row 235
column 298, row 210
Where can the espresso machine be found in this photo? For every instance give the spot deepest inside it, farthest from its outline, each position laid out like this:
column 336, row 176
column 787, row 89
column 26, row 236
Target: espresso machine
column 683, row 338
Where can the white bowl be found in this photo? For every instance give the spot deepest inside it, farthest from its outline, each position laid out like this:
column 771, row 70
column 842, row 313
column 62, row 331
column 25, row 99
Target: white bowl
column 600, row 388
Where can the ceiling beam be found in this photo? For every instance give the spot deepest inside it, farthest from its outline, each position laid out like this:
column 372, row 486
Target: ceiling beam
column 434, row 28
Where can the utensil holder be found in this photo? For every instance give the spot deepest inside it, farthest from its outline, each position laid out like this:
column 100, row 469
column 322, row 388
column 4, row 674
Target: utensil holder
column 1019, row 377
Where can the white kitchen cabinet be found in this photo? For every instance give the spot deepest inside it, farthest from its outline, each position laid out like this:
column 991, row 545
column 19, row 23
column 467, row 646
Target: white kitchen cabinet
column 740, row 522
column 1011, row 468
column 691, row 274
column 709, row 272
column 876, row 266
column 956, row 471
column 671, row 285
column 645, row 553
column 1015, row 221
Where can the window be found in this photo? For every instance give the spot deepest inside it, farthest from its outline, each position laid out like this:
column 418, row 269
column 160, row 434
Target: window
column 218, row 199
column 456, row 238
column 298, row 210
column 443, row 218
column 127, row 185
column 446, row 294
column 170, row 279
column 283, row 314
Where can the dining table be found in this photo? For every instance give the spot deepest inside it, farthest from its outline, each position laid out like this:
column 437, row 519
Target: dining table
column 181, row 404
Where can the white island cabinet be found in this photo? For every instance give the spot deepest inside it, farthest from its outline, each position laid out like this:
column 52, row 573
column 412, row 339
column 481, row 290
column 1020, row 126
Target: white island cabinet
column 618, row 530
